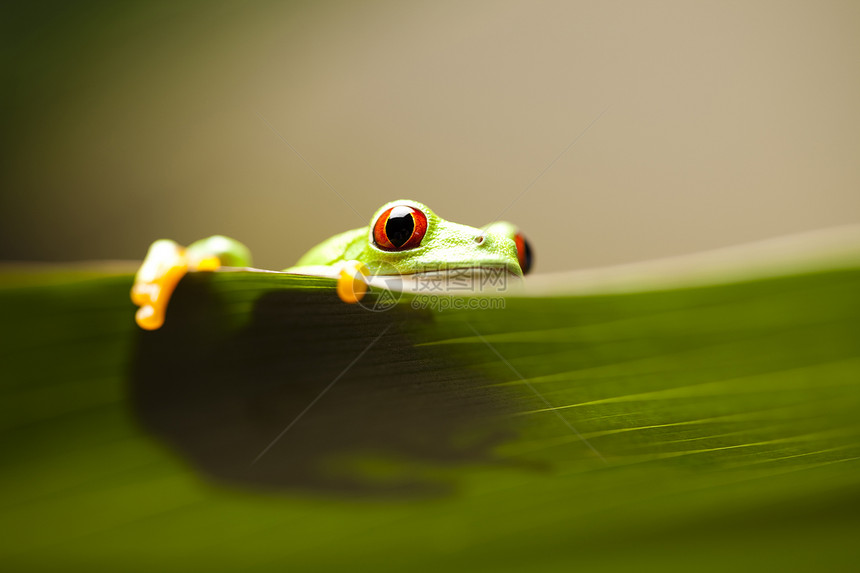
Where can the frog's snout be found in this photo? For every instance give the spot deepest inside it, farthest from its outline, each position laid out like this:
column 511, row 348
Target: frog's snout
column 496, row 247
column 496, row 244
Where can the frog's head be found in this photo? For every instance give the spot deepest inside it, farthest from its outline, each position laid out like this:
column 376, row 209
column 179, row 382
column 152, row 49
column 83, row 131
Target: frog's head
column 409, row 237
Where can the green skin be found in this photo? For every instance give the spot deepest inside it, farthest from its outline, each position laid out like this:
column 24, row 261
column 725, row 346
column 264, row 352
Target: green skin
column 446, row 246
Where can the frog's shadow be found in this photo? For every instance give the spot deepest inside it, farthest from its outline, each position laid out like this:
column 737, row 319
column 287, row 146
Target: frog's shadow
column 249, row 405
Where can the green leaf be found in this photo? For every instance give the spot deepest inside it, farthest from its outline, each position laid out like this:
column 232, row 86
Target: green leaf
column 267, row 426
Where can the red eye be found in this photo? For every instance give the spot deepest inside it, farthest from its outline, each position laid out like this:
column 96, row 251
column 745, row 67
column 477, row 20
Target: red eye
column 400, row 228
column 524, row 253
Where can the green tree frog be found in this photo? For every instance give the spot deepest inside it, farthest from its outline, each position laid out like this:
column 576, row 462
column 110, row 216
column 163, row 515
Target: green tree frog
column 404, row 238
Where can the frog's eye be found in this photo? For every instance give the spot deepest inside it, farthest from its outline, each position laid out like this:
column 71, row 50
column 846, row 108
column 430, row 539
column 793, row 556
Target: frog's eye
column 400, row 228
column 524, row 253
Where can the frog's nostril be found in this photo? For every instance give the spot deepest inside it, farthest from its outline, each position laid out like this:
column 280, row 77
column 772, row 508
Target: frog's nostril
column 479, row 238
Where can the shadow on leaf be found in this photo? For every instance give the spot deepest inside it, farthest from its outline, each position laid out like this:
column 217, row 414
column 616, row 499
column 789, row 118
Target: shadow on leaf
column 393, row 424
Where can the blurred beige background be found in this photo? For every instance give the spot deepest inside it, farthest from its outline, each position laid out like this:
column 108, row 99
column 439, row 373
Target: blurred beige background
column 712, row 124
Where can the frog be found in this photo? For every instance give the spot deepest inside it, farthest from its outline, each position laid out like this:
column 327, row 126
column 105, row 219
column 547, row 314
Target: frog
column 404, row 238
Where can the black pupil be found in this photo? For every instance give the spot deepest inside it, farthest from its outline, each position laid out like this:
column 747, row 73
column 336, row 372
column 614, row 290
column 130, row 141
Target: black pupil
column 527, row 257
column 399, row 226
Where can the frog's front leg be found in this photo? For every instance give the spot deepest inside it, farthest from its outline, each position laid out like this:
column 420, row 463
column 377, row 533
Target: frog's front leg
column 351, row 280
column 167, row 262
